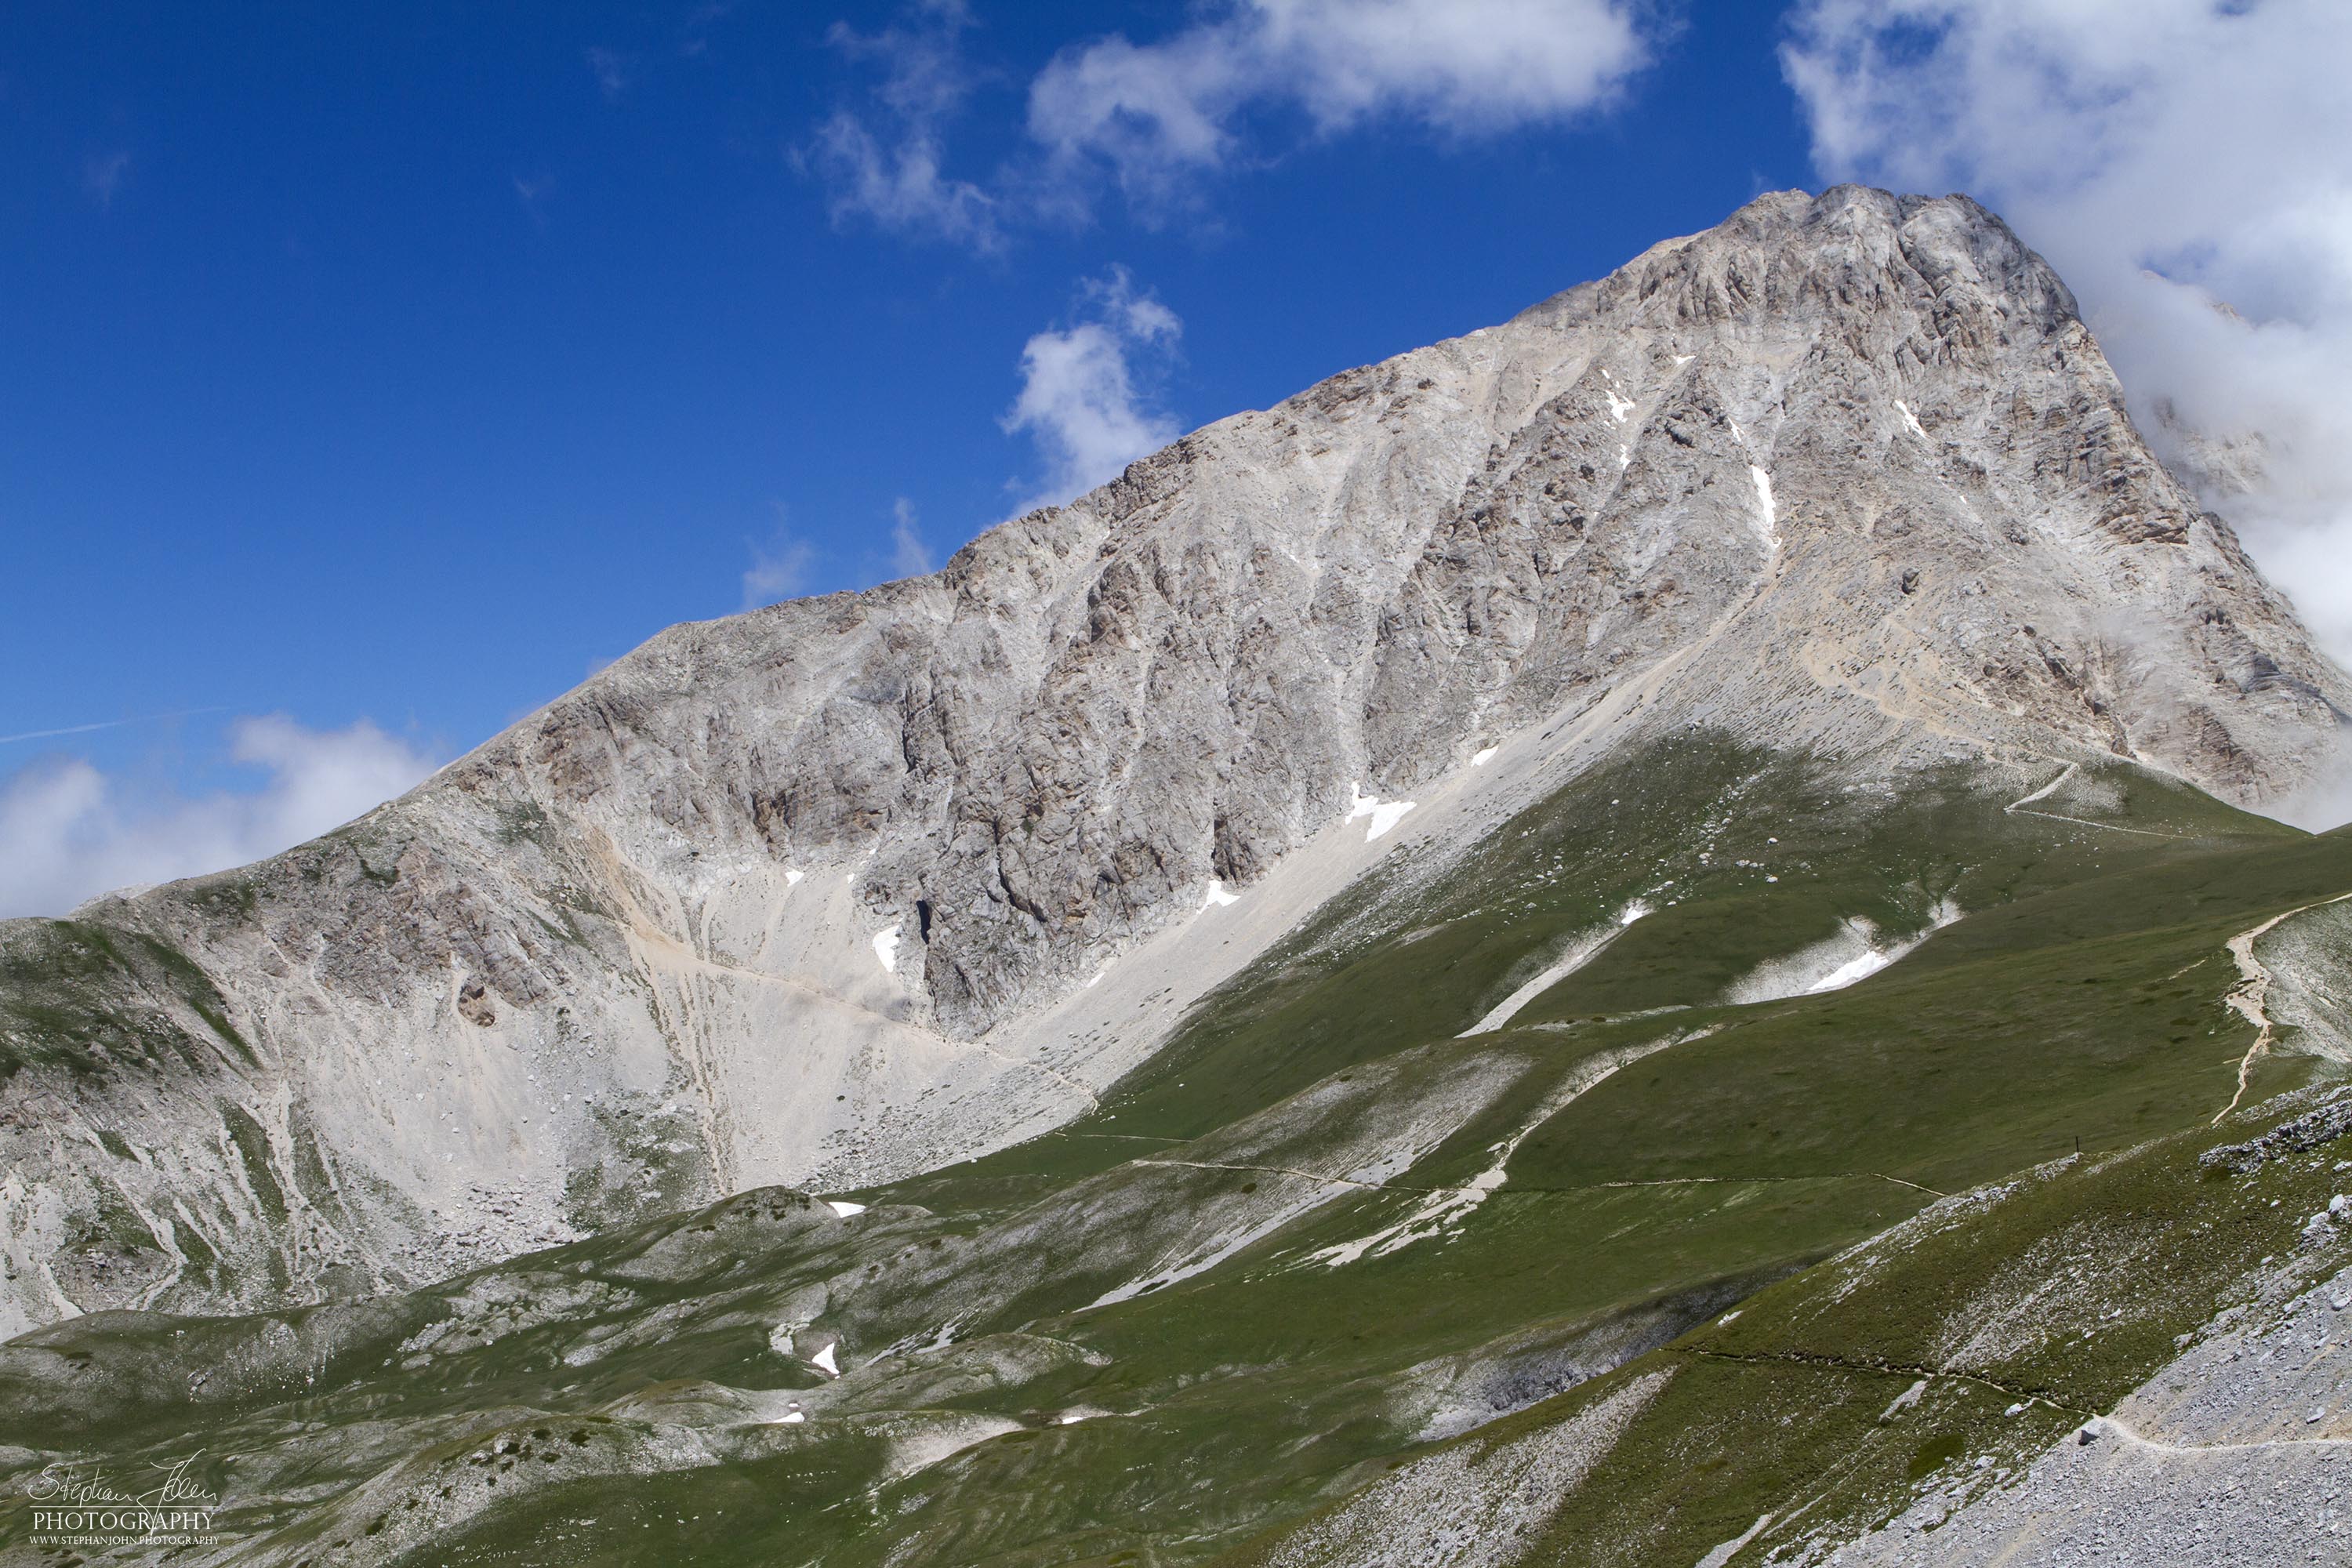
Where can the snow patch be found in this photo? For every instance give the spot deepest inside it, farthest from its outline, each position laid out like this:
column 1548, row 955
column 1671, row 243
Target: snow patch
column 886, row 948
column 823, row 1360
column 1768, row 529
column 793, row 878
column 1909, row 419
column 1620, row 408
column 1867, row 964
column 1385, row 814
column 1858, row 968
column 791, row 1418
column 841, row 1208
column 1854, row 955
column 1480, row 759
column 1216, row 896
column 1580, row 951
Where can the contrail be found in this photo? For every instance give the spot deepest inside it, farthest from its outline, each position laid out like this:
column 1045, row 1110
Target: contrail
column 105, row 724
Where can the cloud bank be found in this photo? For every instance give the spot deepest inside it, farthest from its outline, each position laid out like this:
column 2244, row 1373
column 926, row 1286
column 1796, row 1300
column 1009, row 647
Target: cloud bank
column 2187, row 166
column 68, row 832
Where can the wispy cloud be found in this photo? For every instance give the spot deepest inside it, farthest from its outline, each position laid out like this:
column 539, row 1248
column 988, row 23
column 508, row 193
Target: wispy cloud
column 68, row 831
column 909, row 556
column 1079, row 402
column 102, row 175
column 103, row 724
column 780, row 567
column 533, row 193
column 1157, row 118
column 883, row 164
column 611, row 69
column 2187, row 165
column 698, row 23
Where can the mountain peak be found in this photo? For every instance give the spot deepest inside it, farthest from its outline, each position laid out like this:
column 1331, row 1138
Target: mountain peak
column 1850, row 246
column 848, row 887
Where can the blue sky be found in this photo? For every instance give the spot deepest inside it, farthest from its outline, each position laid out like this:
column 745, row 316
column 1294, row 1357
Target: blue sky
column 394, row 367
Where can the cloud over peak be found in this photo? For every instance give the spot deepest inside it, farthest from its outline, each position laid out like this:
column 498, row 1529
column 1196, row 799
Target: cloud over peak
column 2186, row 165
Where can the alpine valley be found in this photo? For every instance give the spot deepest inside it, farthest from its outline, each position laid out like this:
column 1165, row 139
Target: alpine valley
column 1657, row 935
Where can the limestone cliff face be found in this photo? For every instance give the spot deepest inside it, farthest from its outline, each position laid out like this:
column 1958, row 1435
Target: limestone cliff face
column 830, row 891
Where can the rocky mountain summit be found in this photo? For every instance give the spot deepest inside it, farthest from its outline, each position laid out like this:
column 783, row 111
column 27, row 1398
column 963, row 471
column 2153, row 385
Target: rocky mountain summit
column 843, row 890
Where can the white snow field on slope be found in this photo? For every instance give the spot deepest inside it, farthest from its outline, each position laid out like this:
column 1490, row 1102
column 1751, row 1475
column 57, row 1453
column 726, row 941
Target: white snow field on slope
column 1767, row 528
column 1857, row 952
column 1385, row 814
column 1582, row 950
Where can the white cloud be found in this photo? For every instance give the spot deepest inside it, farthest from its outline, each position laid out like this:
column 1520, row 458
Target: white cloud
column 779, row 569
column 894, row 178
column 68, row 832
column 1078, row 399
column 1159, row 114
column 2171, row 158
column 909, row 556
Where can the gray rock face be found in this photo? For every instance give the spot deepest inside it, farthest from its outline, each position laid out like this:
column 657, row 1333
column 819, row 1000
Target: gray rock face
column 821, row 893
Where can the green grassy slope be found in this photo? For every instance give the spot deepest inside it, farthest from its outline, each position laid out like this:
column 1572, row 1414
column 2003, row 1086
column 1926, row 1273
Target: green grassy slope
column 1279, row 1262
column 2018, row 1312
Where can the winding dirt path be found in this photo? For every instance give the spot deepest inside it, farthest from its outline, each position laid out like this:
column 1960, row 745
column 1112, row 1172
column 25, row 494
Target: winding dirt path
column 2138, row 1439
column 1526, row 1191
column 1889, row 1369
column 2022, row 802
column 2247, row 997
column 2018, row 808
column 2099, row 1426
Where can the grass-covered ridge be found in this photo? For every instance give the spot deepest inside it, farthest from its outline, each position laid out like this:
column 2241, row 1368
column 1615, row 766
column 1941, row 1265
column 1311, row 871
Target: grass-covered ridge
column 1940, row 1358
column 1743, row 855
column 95, row 999
column 1322, row 1235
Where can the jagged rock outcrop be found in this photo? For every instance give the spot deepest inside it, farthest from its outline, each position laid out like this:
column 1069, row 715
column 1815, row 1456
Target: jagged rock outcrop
column 822, row 892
